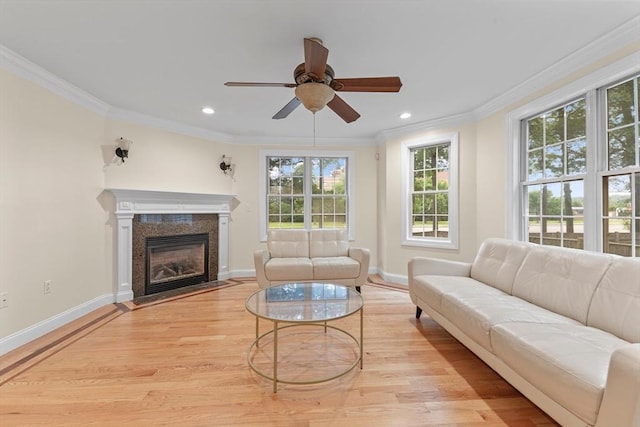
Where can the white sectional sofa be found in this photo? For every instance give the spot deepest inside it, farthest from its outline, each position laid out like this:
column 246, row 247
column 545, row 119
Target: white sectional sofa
column 310, row 256
column 561, row 325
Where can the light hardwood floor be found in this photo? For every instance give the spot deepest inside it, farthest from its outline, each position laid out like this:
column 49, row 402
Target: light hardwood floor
column 183, row 362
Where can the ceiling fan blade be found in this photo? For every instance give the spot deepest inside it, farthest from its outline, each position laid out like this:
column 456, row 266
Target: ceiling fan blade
column 287, row 109
column 249, row 84
column 344, row 110
column 368, row 84
column 315, row 58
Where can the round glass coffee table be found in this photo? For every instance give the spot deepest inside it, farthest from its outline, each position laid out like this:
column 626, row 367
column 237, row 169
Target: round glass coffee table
column 300, row 304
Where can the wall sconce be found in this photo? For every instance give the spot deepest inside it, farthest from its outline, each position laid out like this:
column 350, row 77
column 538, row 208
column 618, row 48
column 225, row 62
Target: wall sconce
column 225, row 164
column 122, row 149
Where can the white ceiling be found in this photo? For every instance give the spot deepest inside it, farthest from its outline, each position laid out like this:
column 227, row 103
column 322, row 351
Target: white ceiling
column 167, row 59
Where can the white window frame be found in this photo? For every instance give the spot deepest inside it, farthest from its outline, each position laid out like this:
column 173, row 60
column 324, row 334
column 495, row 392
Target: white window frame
column 451, row 242
column 584, row 87
column 263, row 183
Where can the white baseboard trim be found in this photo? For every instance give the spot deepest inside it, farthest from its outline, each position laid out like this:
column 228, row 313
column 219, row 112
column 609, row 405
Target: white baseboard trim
column 393, row 278
column 19, row 338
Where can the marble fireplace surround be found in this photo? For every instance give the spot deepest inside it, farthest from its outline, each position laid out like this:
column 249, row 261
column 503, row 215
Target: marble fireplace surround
column 132, row 202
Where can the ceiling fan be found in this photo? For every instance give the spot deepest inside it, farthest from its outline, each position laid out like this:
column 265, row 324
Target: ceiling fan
column 315, row 85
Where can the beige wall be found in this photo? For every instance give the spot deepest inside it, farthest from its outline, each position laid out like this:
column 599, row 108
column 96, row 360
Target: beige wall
column 394, row 256
column 52, row 226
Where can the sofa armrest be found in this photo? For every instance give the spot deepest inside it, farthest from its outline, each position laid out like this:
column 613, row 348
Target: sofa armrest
column 361, row 255
column 419, row 266
column 621, row 401
column 260, row 258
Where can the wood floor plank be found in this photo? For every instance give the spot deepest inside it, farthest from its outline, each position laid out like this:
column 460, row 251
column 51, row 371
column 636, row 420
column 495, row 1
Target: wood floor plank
column 184, row 362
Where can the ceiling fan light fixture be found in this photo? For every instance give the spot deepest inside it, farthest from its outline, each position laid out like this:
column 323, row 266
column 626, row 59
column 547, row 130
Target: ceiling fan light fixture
column 314, row 96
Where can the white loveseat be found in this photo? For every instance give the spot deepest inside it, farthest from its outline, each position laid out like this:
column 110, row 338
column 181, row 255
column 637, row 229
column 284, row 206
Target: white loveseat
column 561, row 325
column 310, row 256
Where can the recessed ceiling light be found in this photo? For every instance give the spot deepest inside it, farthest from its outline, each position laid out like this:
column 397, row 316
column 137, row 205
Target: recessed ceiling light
column 404, row 116
column 208, row 110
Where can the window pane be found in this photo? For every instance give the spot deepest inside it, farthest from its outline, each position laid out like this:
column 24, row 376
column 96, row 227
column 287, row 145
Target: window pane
column 552, row 229
column 551, row 199
column 620, row 108
column 442, row 200
column 535, row 165
column 622, row 148
column 418, row 204
column 535, row 133
column 533, row 200
column 554, row 161
column 577, row 157
column 418, row 181
column 430, row 157
column 619, row 196
column 576, row 120
column 430, row 203
column 430, row 180
column 554, row 126
column 533, row 229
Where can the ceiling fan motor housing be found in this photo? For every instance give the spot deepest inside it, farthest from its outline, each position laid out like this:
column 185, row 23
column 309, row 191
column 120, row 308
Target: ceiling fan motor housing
column 301, row 77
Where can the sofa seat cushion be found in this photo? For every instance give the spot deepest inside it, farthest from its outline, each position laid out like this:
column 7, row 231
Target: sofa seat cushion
column 339, row 267
column 567, row 362
column 289, row 269
column 431, row 288
column 477, row 314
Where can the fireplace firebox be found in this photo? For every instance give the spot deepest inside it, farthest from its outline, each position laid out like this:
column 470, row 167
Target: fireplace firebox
column 176, row 261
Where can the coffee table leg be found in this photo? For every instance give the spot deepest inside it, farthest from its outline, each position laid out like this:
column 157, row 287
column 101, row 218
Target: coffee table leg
column 257, row 329
column 361, row 336
column 275, row 356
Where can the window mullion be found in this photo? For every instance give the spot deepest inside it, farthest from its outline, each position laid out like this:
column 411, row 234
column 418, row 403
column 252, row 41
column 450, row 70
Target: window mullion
column 308, row 178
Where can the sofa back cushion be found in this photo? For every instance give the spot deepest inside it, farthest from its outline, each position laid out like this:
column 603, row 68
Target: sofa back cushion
column 615, row 307
column 328, row 243
column 288, row 243
column 561, row 280
column 498, row 261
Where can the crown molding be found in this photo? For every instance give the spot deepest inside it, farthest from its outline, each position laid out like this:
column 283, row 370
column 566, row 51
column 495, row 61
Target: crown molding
column 425, row 126
column 580, row 59
column 36, row 74
column 304, row 142
column 168, row 125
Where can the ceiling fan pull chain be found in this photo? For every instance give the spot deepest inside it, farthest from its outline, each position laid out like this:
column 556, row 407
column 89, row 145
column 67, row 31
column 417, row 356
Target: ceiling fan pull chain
column 314, row 130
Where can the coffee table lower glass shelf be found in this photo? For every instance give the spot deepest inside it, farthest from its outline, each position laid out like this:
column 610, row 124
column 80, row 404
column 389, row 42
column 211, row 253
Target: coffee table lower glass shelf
column 304, row 304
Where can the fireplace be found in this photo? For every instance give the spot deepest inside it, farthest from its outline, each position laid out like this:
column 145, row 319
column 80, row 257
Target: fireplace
column 176, row 261
column 163, row 214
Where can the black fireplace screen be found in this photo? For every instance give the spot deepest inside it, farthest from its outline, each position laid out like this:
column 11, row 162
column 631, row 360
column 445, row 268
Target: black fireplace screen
column 176, row 261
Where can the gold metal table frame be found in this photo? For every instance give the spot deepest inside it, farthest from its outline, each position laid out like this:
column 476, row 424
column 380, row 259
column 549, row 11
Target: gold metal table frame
column 303, row 304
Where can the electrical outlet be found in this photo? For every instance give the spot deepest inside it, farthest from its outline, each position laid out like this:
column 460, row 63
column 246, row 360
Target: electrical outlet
column 4, row 300
column 47, row 286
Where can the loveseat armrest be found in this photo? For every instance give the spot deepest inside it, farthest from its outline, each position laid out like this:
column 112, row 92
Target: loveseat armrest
column 361, row 255
column 419, row 266
column 621, row 401
column 260, row 258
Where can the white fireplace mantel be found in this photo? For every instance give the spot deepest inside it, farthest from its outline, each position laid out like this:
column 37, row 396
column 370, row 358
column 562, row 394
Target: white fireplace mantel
column 131, row 202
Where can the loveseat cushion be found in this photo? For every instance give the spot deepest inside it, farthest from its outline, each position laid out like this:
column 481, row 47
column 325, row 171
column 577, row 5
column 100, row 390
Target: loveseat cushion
column 615, row 307
column 288, row 243
column 328, row 243
column 339, row 267
column 561, row 280
column 289, row 269
column 477, row 314
column 498, row 261
column 568, row 363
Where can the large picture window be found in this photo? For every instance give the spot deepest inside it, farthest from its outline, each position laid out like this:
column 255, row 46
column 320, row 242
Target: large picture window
column 431, row 189
column 309, row 190
column 577, row 165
